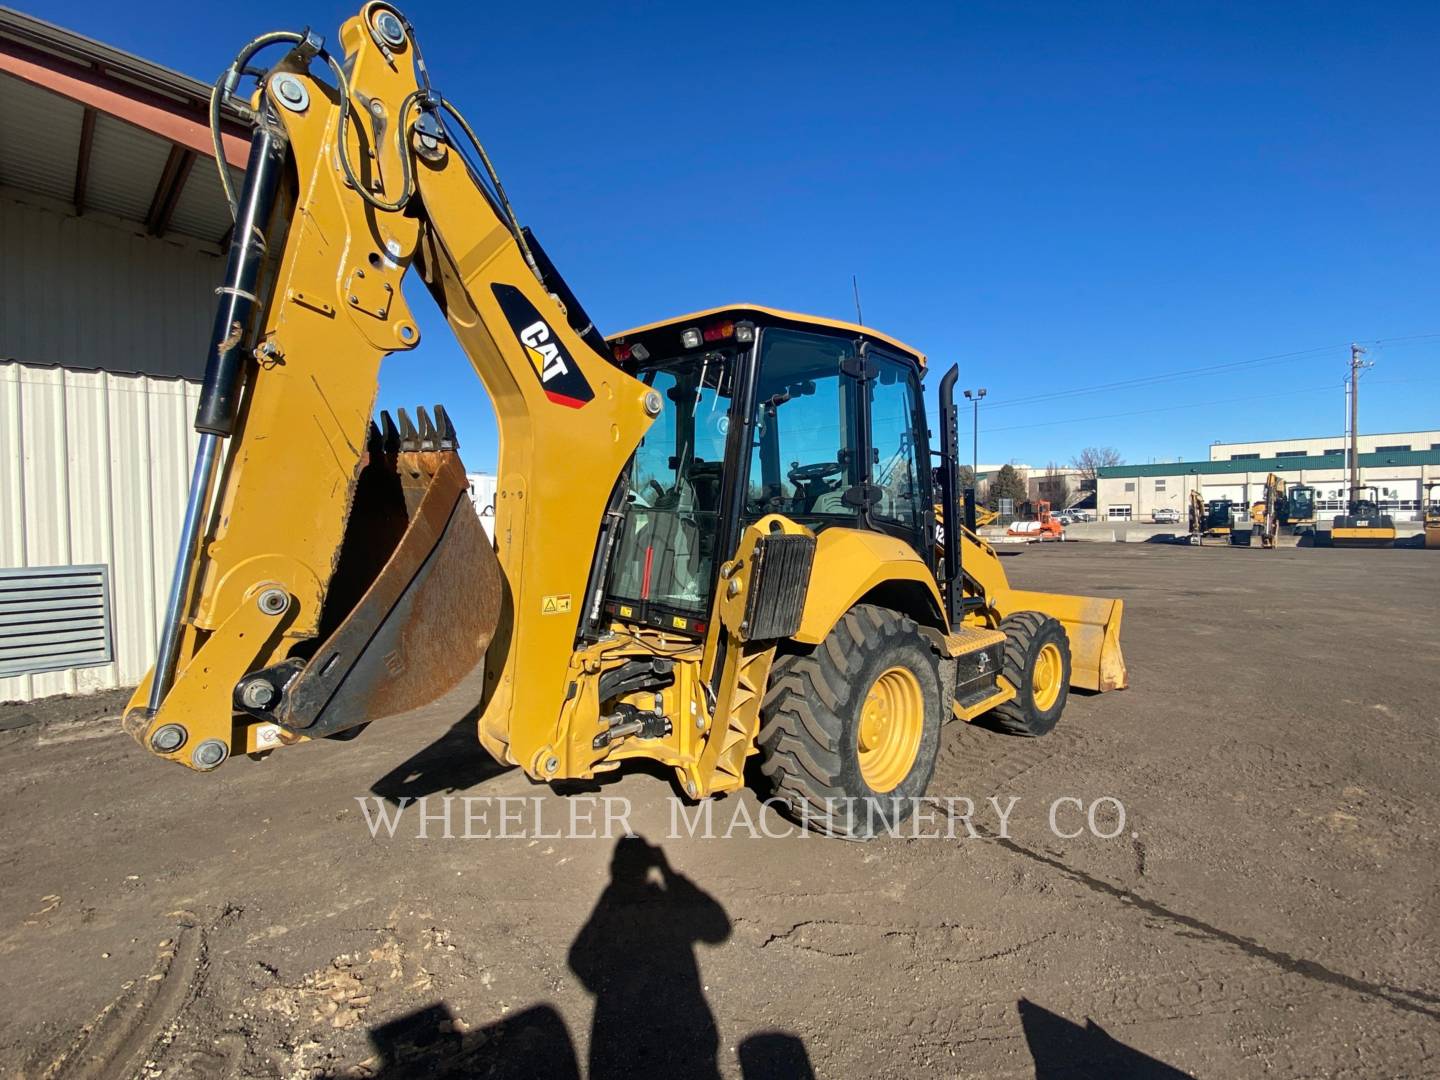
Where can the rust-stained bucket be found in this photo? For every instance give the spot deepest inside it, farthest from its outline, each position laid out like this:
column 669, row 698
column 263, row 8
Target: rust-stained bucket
column 415, row 597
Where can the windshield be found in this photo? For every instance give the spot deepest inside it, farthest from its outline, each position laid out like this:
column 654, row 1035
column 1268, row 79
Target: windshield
column 667, row 544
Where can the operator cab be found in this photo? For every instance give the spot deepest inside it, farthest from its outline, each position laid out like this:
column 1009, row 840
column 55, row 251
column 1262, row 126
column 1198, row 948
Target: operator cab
column 763, row 412
column 1300, row 504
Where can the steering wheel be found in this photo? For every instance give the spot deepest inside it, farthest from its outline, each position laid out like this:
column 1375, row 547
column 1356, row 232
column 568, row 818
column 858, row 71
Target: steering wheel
column 808, row 474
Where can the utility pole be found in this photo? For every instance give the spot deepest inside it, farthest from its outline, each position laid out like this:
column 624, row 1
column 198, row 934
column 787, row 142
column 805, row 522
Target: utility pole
column 975, row 396
column 1356, row 365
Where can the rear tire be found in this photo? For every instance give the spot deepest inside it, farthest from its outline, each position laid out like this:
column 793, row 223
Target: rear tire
column 852, row 725
column 1037, row 664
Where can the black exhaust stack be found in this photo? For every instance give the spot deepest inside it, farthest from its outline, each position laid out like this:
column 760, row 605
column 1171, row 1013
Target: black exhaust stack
column 950, row 493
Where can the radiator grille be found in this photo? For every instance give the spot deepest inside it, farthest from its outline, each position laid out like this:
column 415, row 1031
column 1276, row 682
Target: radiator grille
column 54, row 617
column 778, row 583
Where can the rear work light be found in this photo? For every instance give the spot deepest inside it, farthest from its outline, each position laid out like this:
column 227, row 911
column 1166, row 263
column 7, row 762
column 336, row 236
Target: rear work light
column 726, row 329
column 636, row 352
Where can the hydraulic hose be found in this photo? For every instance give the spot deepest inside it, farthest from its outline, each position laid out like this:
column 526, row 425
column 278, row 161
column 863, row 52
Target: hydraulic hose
column 224, row 86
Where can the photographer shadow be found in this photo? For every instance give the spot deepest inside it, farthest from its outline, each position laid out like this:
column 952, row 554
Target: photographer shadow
column 636, row 956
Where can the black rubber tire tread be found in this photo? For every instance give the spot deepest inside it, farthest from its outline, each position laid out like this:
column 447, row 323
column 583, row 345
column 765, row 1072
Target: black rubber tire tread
column 1025, row 633
column 810, row 718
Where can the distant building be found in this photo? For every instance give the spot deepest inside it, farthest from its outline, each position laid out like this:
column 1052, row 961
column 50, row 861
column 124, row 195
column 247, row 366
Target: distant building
column 1061, row 488
column 482, row 494
column 1326, row 446
column 985, row 473
column 1397, row 464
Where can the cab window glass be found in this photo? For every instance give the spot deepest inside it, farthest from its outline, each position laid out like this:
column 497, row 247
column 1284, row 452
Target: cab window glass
column 804, row 457
column 895, row 468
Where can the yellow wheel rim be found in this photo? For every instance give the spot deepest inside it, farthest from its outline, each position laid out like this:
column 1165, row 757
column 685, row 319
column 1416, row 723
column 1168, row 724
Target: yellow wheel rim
column 892, row 720
column 1048, row 677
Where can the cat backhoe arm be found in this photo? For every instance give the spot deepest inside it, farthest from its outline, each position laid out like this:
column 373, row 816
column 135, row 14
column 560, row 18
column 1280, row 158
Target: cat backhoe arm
column 332, row 571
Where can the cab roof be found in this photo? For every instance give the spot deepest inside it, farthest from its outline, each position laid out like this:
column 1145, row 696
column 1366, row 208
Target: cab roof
column 763, row 316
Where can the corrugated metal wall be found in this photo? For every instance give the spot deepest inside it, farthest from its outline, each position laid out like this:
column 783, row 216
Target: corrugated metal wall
column 95, row 467
column 94, row 464
column 84, row 293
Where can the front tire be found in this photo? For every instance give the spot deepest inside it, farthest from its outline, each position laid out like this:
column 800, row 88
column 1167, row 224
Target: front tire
column 850, row 729
column 1037, row 664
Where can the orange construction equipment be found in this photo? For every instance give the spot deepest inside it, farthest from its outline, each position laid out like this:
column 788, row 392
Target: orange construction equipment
column 1043, row 526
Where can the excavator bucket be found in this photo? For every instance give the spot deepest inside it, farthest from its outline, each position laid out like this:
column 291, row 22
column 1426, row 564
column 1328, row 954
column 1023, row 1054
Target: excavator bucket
column 415, row 597
column 1093, row 625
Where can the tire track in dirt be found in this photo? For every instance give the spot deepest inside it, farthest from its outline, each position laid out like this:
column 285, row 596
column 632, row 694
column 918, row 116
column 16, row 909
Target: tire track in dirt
column 118, row 1041
column 1408, row 999
column 977, row 757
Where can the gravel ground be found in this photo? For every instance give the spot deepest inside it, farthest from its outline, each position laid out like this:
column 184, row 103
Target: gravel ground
column 1267, row 907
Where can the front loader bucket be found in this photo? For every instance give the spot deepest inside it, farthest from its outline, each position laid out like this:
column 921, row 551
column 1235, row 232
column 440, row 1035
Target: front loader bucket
column 1093, row 625
column 415, row 597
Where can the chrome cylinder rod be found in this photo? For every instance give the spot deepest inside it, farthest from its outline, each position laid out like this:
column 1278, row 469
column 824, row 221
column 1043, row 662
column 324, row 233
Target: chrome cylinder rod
column 231, row 341
column 180, row 581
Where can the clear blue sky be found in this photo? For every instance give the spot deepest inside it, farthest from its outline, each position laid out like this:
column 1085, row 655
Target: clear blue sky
column 1054, row 195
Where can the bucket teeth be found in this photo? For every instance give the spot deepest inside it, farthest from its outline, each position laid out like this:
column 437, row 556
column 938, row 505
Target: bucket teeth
column 374, row 443
column 421, row 434
column 429, row 437
column 409, row 437
column 448, row 439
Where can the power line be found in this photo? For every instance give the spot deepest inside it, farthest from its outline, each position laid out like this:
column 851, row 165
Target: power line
column 1185, row 373
column 1330, row 388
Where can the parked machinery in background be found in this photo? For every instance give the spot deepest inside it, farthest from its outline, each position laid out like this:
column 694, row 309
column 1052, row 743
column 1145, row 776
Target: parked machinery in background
column 1223, row 520
column 1432, row 515
column 1299, row 514
column 1195, row 517
column 1267, row 512
column 1041, row 524
column 1362, row 524
column 1219, row 518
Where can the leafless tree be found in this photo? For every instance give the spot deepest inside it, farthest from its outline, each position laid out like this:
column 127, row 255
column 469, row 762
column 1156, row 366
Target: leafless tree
column 1093, row 458
column 1055, row 487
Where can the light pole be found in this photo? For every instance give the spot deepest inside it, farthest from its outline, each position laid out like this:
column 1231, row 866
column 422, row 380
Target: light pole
column 975, row 396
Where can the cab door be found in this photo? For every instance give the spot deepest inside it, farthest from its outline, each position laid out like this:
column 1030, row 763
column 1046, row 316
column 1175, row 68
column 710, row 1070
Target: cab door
column 900, row 501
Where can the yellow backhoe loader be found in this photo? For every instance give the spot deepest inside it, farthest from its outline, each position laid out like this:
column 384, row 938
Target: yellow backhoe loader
column 714, row 535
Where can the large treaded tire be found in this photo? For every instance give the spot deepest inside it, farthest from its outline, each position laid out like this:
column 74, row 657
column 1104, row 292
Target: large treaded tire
column 810, row 720
column 1026, row 634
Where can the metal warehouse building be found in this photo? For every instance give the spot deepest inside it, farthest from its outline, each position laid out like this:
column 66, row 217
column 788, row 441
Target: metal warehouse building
column 111, row 229
column 1397, row 465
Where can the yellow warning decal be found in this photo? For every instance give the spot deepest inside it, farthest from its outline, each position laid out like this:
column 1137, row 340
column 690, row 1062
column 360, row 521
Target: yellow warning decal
column 678, row 623
column 555, row 605
column 627, row 612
